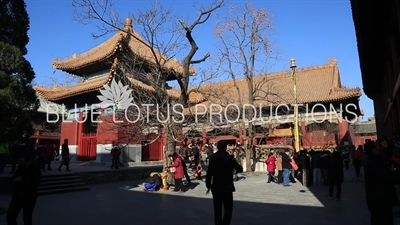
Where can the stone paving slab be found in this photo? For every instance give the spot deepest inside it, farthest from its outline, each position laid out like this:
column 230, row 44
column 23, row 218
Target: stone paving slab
column 256, row 203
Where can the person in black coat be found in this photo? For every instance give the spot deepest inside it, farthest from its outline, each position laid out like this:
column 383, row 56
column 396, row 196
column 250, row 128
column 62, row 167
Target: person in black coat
column 25, row 185
column 335, row 174
column 65, row 156
column 286, row 166
column 305, row 163
column 196, row 155
column 379, row 187
column 219, row 181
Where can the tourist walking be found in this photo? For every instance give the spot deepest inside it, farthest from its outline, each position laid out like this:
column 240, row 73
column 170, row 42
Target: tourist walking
column 196, row 155
column 279, row 167
column 357, row 160
column 25, row 183
column 294, row 169
column 305, row 167
column 185, row 173
column 316, row 168
column 335, row 174
column 219, row 181
column 115, row 154
column 65, row 156
column 379, row 187
column 50, row 149
column 177, row 169
column 286, row 166
column 271, row 161
column 325, row 158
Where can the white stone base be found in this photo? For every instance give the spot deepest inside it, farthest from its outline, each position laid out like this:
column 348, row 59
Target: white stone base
column 103, row 153
column 130, row 153
column 260, row 166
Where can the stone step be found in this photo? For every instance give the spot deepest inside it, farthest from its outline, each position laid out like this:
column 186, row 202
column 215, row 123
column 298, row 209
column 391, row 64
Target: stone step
column 56, row 182
column 61, row 183
column 63, row 190
column 68, row 185
column 59, row 177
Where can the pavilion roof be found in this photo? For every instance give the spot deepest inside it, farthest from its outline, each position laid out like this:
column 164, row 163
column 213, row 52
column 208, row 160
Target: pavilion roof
column 106, row 50
column 365, row 127
column 57, row 93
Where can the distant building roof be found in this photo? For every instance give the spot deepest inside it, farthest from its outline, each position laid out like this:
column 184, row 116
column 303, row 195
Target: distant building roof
column 368, row 127
column 315, row 84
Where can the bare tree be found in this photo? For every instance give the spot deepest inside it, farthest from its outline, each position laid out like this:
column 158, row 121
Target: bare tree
column 62, row 80
column 246, row 50
column 161, row 39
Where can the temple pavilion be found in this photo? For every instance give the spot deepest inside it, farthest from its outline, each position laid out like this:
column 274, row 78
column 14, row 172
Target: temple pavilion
column 318, row 84
column 97, row 68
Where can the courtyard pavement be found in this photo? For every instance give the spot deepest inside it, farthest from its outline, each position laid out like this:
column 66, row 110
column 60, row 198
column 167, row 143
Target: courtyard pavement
column 256, row 203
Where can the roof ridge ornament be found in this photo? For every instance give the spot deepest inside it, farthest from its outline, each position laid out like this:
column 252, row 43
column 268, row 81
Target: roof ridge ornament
column 332, row 61
column 128, row 23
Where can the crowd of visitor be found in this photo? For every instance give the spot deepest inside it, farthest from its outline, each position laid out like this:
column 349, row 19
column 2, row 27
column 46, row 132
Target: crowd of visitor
column 377, row 161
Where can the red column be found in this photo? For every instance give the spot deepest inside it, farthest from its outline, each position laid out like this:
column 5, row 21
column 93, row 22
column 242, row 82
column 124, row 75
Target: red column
column 80, row 134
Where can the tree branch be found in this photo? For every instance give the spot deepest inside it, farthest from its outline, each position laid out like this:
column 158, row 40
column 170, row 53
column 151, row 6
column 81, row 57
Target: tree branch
column 206, row 56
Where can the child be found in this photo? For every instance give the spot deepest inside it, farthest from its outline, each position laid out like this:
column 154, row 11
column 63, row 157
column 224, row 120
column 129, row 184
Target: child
column 197, row 173
column 152, row 183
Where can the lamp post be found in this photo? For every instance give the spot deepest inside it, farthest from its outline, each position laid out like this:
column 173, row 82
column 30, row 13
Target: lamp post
column 296, row 113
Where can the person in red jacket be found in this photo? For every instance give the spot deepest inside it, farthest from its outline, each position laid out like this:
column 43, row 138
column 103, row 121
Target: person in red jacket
column 270, row 161
column 179, row 172
column 115, row 153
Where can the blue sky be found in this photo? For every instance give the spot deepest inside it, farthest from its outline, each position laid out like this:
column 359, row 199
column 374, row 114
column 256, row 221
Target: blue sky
column 310, row 31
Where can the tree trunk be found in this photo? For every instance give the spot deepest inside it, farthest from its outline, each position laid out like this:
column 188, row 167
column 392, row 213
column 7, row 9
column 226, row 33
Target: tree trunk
column 250, row 148
column 246, row 148
column 170, row 147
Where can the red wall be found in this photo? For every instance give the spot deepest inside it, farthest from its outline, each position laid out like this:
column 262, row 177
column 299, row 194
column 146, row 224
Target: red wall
column 344, row 134
column 108, row 131
column 69, row 130
column 360, row 140
column 318, row 139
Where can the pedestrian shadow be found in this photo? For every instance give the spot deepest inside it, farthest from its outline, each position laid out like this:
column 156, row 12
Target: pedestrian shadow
column 193, row 185
column 241, row 178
